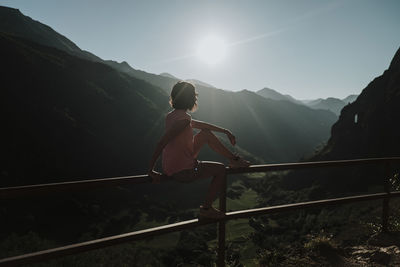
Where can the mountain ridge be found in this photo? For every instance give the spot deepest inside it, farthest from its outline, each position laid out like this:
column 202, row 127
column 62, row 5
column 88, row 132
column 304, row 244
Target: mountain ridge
column 14, row 22
column 332, row 104
column 275, row 95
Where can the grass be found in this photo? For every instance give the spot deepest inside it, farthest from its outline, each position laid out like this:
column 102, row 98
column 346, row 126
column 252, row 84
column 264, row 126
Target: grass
column 246, row 201
column 239, row 230
column 161, row 241
column 255, row 175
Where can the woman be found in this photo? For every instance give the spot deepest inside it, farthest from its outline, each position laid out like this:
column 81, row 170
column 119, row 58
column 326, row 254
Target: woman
column 180, row 148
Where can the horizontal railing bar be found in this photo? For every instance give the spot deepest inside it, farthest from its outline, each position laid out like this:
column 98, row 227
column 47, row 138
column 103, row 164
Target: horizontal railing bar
column 123, row 238
column 309, row 204
column 315, row 164
column 16, row 191
column 100, row 243
column 27, row 190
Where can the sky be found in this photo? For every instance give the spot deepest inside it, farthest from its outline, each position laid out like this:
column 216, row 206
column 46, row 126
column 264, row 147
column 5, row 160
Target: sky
column 306, row 48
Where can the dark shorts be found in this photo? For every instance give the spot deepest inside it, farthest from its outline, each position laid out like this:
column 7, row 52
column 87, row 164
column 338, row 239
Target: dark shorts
column 189, row 175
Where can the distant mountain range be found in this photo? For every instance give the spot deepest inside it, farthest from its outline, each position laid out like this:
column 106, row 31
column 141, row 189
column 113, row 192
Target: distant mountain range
column 197, row 82
column 165, row 74
column 332, row 104
column 194, row 81
column 274, row 95
column 69, row 113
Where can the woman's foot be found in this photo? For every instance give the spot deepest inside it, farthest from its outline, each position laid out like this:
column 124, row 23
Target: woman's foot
column 211, row 213
column 238, row 162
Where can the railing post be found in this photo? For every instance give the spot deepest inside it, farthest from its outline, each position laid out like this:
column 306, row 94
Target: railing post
column 221, row 227
column 385, row 204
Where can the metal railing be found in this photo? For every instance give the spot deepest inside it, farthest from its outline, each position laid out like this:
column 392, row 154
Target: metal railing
column 13, row 192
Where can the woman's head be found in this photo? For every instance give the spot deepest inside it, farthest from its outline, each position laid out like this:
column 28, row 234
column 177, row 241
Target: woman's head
column 183, row 96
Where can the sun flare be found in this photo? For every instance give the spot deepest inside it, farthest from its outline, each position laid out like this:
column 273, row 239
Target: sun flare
column 212, row 50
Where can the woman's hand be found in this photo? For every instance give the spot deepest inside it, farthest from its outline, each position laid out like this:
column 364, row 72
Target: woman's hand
column 156, row 176
column 231, row 137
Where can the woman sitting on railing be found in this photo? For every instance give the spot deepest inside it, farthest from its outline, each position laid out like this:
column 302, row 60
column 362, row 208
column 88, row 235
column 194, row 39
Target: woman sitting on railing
column 180, row 148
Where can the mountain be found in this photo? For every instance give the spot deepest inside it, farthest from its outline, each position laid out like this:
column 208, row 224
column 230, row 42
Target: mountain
column 367, row 128
column 274, row 131
column 197, row 82
column 68, row 117
column 165, row 74
column 161, row 81
column 13, row 22
column 274, row 95
column 122, row 67
column 194, row 81
column 349, row 99
column 331, row 103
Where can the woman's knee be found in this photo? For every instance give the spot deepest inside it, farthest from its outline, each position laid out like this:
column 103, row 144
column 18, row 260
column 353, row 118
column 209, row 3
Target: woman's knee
column 214, row 168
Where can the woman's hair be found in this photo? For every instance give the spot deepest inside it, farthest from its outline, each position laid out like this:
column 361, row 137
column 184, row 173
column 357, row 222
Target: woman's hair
column 183, row 96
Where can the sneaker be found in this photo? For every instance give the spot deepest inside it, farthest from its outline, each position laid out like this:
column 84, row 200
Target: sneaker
column 211, row 213
column 238, row 162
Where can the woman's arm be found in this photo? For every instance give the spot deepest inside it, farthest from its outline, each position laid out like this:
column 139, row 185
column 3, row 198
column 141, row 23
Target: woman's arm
column 204, row 125
column 176, row 128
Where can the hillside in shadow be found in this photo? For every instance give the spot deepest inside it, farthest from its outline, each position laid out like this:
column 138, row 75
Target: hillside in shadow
column 68, row 118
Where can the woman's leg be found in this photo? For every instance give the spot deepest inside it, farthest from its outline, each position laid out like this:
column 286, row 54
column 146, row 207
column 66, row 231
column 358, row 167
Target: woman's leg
column 217, row 170
column 207, row 137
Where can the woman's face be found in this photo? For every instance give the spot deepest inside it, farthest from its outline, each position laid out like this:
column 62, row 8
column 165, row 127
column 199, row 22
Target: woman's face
column 194, row 108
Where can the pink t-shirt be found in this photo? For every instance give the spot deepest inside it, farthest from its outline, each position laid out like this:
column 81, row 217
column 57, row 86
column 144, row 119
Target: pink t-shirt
column 178, row 153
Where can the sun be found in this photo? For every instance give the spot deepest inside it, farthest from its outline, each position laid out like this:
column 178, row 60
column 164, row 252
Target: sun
column 212, row 50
